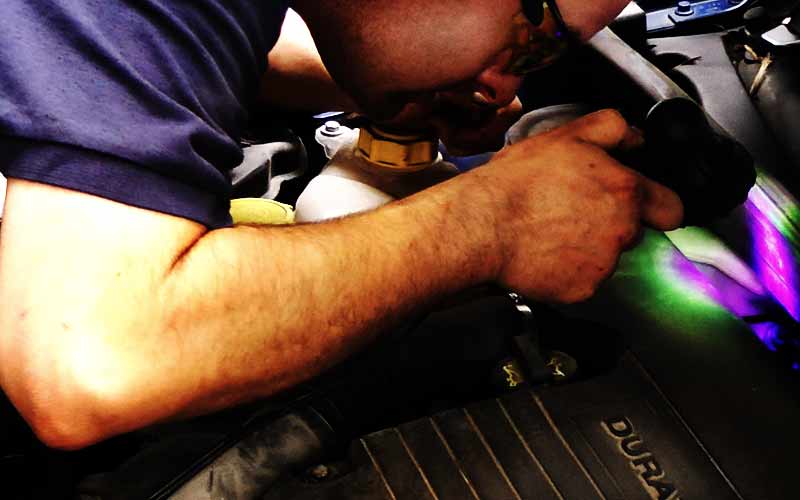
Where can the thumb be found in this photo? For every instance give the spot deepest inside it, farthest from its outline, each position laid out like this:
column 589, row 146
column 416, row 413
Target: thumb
column 606, row 129
column 662, row 208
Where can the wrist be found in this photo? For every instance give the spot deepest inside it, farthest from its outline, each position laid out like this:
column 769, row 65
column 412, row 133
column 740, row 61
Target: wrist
column 477, row 216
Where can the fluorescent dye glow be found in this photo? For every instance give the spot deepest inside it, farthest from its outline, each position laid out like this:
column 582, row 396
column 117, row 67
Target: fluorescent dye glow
column 779, row 205
column 769, row 334
column 772, row 227
column 702, row 246
column 713, row 270
column 775, row 257
column 685, row 275
column 682, row 286
column 704, row 283
column 655, row 284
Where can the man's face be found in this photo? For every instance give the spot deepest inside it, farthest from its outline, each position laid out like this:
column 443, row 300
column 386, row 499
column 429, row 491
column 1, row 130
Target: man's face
column 412, row 58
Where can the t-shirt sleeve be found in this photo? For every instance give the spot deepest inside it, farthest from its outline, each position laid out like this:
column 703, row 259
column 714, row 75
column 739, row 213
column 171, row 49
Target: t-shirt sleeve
column 137, row 101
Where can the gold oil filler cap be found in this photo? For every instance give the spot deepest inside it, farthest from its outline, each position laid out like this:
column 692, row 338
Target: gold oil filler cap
column 397, row 152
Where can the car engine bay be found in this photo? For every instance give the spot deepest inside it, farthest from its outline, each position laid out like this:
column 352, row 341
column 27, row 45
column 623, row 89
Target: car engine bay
column 679, row 379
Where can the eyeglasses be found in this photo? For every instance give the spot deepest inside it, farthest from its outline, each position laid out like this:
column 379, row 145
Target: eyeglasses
column 539, row 37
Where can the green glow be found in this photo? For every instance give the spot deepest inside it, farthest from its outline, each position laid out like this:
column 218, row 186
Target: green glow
column 655, row 284
column 701, row 246
column 671, row 276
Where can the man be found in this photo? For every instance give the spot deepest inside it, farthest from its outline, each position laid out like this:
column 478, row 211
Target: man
column 127, row 298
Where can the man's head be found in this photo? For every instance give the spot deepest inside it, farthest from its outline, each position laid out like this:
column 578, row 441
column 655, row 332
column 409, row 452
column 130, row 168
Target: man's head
column 386, row 53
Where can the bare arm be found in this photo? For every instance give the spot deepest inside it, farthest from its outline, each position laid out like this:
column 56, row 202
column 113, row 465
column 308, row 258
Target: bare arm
column 114, row 318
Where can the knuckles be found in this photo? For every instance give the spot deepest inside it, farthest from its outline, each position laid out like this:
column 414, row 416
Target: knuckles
column 628, row 186
column 628, row 193
column 610, row 119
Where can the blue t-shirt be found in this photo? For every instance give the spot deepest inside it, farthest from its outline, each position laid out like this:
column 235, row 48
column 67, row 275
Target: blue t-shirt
column 137, row 101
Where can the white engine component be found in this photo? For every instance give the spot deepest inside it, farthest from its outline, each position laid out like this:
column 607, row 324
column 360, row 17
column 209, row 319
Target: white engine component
column 349, row 183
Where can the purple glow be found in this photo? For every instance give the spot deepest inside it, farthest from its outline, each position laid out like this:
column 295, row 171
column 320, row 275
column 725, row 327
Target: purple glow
column 769, row 334
column 774, row 261
column 796, row 366
column 692, row 276
column 715, row 286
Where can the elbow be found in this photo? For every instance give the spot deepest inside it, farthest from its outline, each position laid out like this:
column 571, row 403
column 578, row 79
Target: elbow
column 68, row 421
column 64, row 431
column 63, row 402
column 58, row 422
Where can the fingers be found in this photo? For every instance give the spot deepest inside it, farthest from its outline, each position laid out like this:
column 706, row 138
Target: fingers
column 662, row 209
column 633, row 139
column 654, row 204
column 606, row 129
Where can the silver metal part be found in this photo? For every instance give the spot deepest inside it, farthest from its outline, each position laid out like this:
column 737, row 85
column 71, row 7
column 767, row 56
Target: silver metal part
column 265, row 159
column 781, row 35
column 332, row 136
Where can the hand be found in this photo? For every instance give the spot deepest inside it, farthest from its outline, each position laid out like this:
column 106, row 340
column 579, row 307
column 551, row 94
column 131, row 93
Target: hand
column 565, row 209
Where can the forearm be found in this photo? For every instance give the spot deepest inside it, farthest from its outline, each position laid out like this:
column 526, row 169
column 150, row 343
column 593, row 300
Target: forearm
column 296, row 300
column 231, row 316
column 296, row 78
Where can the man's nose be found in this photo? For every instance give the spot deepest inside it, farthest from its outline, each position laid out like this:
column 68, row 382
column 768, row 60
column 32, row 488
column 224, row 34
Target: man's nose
column 496, row 86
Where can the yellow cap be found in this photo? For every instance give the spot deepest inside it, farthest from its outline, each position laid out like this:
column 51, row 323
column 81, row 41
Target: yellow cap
column 402, row 153
column 260, row 211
